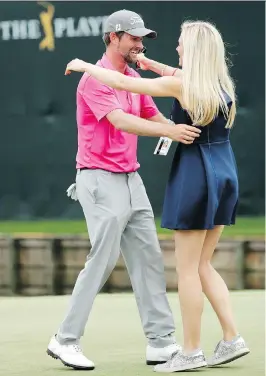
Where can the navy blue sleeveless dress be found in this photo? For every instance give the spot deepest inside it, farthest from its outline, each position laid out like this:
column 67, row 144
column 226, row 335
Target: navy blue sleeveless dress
column 202, row 190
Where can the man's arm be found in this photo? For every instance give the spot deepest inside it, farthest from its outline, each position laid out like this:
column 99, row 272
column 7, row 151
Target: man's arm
column 159, row 118
column 103, row 103
column 141, row 127
column 150, row 112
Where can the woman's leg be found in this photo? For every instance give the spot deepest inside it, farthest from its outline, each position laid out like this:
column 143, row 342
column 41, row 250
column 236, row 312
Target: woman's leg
column 188, row 247
column 214, row 286
column 232, row 346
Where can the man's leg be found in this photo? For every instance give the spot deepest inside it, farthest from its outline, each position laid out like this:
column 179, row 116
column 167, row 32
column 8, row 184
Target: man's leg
column 105, row 201
column 142, row 254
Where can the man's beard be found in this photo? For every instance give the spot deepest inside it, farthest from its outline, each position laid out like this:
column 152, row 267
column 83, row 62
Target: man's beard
column 129, row 57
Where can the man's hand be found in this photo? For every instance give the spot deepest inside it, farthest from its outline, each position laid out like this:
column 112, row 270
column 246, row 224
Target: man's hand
column 183, row 133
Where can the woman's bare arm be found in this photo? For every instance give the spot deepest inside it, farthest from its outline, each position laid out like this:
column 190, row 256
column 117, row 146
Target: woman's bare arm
column 156, row 87
column 162, row 69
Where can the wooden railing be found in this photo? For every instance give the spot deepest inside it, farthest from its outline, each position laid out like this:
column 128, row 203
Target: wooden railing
column 50, row 266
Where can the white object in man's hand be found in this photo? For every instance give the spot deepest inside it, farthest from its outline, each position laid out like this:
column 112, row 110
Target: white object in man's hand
column 163, row 146
column 183, row 133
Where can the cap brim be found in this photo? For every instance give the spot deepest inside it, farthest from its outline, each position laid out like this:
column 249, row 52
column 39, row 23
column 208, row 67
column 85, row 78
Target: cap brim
column 142, row 32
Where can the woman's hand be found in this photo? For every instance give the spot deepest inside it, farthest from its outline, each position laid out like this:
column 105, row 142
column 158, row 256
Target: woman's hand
column 143, row 62
column 75, row 65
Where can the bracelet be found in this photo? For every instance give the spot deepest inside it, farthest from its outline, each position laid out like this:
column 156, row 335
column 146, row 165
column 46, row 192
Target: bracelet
column 163, row 69
column 174, row 71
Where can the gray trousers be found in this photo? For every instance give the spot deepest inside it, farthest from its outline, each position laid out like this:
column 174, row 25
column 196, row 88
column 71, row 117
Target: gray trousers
column 119, row 217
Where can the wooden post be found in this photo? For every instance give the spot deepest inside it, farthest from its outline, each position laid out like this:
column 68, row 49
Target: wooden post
column 7, row 272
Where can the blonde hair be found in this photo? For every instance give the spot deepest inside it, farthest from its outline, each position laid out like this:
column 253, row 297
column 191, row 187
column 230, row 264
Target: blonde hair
column 205, row 74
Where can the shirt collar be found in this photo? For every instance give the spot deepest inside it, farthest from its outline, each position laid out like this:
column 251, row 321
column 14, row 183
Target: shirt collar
column 106, row 63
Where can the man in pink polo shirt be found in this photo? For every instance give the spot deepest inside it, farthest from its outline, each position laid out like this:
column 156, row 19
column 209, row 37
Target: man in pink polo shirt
column 100, row 144
column 114, row 201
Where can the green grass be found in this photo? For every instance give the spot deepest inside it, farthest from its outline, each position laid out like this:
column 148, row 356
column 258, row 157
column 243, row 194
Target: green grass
column 245, row 227
column 114, row 339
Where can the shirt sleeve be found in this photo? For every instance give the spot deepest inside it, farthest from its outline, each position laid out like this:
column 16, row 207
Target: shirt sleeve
column 100, row 98
column 148, row 107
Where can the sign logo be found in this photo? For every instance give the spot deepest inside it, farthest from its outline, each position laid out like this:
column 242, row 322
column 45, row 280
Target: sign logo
column 49, row 28
column 46, row 18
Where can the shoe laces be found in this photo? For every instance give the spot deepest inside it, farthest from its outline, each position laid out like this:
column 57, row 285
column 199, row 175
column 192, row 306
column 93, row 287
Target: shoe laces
column 217, row 346
column 172, row 357
column 77, row 348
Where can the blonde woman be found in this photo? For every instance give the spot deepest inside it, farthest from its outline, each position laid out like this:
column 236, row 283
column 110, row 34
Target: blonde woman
column 202, row 192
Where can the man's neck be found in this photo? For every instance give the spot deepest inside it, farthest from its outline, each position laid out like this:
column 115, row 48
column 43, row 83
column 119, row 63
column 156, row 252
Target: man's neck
column 117, row 61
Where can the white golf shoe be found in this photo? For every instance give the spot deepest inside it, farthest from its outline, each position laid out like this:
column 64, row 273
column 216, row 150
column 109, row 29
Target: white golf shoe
column 70, row 355
column 160, row 355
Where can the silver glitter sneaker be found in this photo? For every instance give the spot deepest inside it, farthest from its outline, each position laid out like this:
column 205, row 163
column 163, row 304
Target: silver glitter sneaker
column 227, row 352
column 179, row 362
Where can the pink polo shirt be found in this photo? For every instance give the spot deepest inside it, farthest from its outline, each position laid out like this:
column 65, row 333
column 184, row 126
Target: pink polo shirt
column 100, row 144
